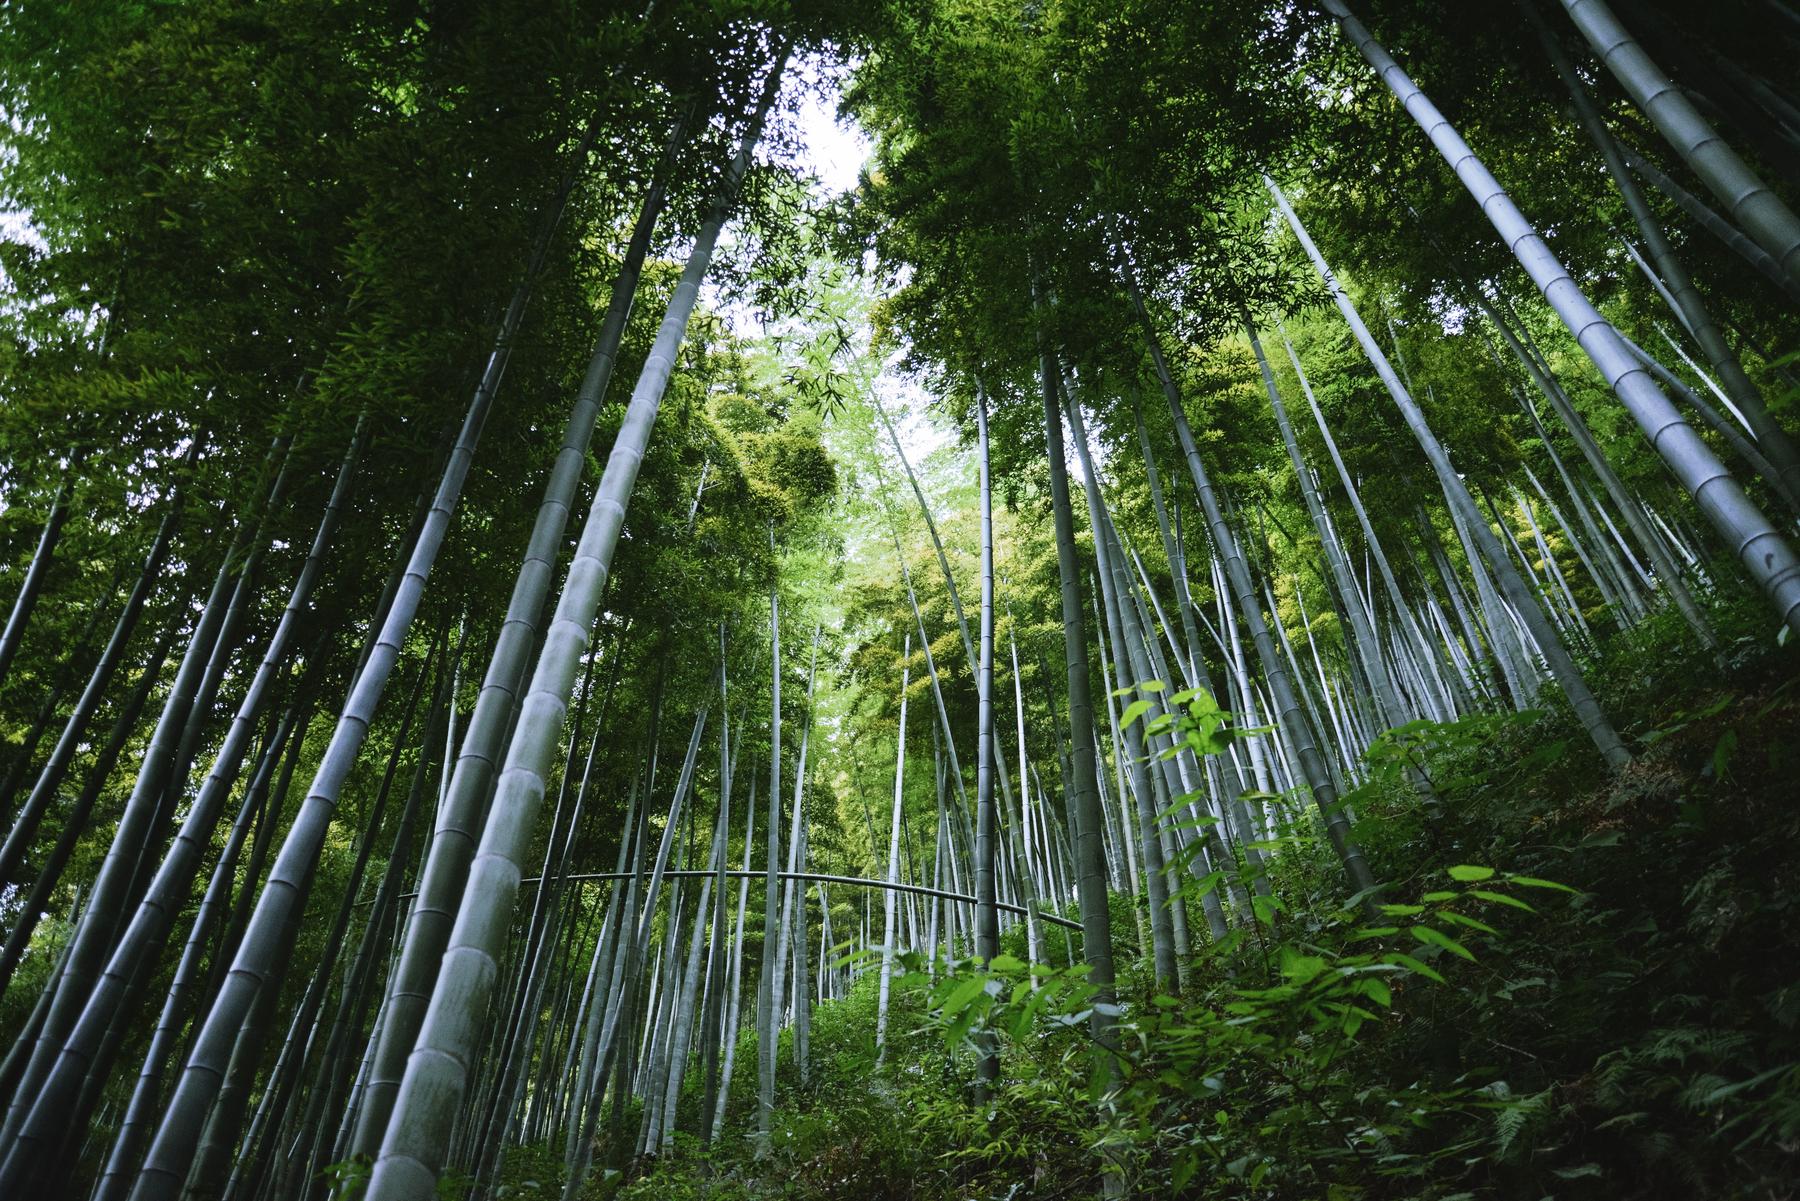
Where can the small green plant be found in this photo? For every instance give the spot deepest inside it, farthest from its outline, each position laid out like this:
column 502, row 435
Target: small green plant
column 349, row 1178
column 1248, row 1082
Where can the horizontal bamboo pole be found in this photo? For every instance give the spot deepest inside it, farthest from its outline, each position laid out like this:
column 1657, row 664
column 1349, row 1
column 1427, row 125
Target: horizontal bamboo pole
column 857, row 881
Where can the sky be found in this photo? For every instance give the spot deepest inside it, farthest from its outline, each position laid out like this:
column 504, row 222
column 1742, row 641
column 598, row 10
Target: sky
column 835, row 152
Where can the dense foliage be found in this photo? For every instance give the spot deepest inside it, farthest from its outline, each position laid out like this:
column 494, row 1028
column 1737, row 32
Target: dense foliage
column 512, row 683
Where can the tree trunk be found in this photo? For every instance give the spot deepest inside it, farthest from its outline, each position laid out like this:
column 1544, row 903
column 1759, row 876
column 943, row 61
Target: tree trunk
column 889, row 896
column 987, row 920
column 1083, row 799
column 464, row 809
column 33, row 584
column 418, row 1135
column 1684, row 298
column 1764, row 553
column 1293, row 720
column 1575, row 689
column 1756, row 209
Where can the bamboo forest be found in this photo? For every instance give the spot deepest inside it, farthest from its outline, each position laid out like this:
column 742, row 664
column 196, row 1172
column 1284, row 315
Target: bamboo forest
column 902, row 599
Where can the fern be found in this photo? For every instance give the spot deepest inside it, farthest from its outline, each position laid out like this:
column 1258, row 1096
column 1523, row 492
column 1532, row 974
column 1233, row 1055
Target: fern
column 1516, row 1116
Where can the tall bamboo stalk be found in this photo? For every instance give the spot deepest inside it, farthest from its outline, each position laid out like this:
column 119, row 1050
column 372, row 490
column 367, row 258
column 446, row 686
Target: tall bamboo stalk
column 418, row 1134
column 50, row 776
column 1756, row 209
column 1764, row 553
column 463, row 810
column 1683, row 297
column 890, row 894
column 1293, row 721
column 110, row 899
column 1361, row 630
column 1727, row 234
column 1082, row 797
column 1580, row 697
column 768, row 1029
column 32, row 586
column 987, row 924
column 54, row 1110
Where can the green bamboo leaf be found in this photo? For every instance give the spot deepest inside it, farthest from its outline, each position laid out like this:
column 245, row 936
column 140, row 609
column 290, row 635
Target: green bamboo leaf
column 1413, row 965
column 1438, row 938
column 963, row 994
column 1500, row 898
column 1463, row 920
column 1534, row 882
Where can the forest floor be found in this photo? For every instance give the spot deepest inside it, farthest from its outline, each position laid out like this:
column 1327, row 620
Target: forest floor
column 1631, row 1032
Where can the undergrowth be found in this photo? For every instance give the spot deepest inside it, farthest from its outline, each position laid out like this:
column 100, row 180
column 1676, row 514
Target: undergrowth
column 1571, row 985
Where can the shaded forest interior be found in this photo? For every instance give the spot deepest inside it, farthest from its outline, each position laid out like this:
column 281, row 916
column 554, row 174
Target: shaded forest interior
column 918, row 599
